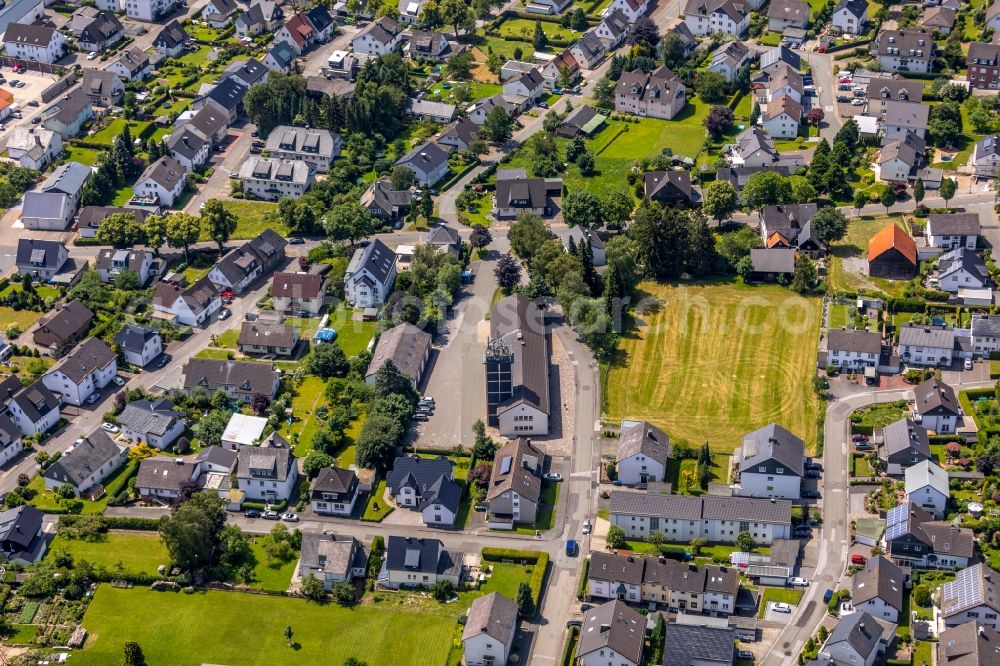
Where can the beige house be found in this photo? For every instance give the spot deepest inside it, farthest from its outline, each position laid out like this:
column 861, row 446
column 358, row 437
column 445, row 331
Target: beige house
column 298, row 293
column 659, row 94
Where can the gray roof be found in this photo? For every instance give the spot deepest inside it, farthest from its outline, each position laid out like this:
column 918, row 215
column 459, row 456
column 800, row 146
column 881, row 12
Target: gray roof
column 132, row 59
column 773, row 442
column 329, row 553
column 530, row 190
column 36, row 401
column 243, row 376
column 879, row 579
column 429, row 477
column 859, row 630
column 908, row 115
column 903, row 435
column 969, row 644
column 518, row 477
column 83, row 459
column 494, row 615
column 421, row 556
column 70, row 106
column 989, row 145
column 615, row 568
column 521, row 324
column 46, row 205
column 747, row 508
column 382, row 30
column 28, row 34
column 188, row 141
column 738, row 176
column 709, row 507
column 38, row 253
column 165, row 171
column 773, row 260
column 679, row 507
column 693, row 644
column 131, row 259
column 789, row 10
column 753, row 139
column 334, row 480
column 427, row 155
column 427, row 107
column 275, row 169
column 267, row 334
column 376, row 258
column 217, row 455
column 143, row 416
column 265, row 462
column 732, row 53
column 590, row 44
column 913, row 43
column 976, row 585
column 67, row 179
column 646, row 439
column 92, row 354
column 67, row 321
column 616, row 626
column 777, row 54
column 406, row 346
column 927, row 336
column 900, row 90
column 655, row 182
column 444, row 236
column 858, row 8
column 171, row 36
column 617, row 23
column 208, row 120
column 935, row 396
column 20, row 526
column 953, row 224
column 735, row 10
column 865, row 342
column 985, row 325
column 305, row 286
column 282, row 53
column 320, row 142
column 198, row 296
column 165, row 473
column 926, row 473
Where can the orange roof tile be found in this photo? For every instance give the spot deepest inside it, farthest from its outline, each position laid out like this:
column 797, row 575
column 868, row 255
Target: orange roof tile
column 892, row 236
column 775, row 238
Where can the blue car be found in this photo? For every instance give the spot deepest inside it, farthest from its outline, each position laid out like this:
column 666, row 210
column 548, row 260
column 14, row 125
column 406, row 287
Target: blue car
column 827, row 596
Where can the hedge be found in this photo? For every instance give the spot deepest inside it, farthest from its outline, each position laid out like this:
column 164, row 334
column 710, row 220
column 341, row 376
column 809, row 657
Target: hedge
column 581, row 588
column 80, row 241
column 440, row 452
column 264, row 506
column 131, row 469
column 570, row 644
column 115, row 522
column 540, row 559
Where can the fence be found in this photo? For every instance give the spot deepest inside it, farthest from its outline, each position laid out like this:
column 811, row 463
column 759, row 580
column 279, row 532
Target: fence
column 56, row 89
column 43, row 67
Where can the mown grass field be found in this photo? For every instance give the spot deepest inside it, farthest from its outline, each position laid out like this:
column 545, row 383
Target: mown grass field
column 849, row 258
column 711, row 362
column 253, row 218
column 233, row 628
column 139, row 552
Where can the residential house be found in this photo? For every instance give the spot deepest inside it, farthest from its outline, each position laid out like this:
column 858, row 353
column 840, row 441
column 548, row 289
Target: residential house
column 772, row 264
column 643, row 451
column 547, row 6
column 658, row 94
column 677, row 26
column 738, row 176
column 612, row 576
column 189, row 147
column 902, row 117
column 297, row 33
column 782, row 14
column 86, row 370
column 905, row 444
column 517, row 368
column 131, row 65
column 271, row 178
column 226, row 96
column 561, row 70
column 446, row 239
column 892, row 253
column 97, row 30
column 612, row 29
column 488, row 634
column 578, row 235
column 60, row 330
column 753, row 148
column 671, row 188
column 782, row 117
column 611, row 633
column 316, row 147
column 782, row 80
column 412, row 562
column 35, row 409
column 167, row 480
column 681, row 518
column 913, row 537
column 516, row 195
column 425, row 109
column 850, row 17
column 51, row 207
column 899, row 157
column 370, row 275
column 852, row 350
column 409, row 10
column 986, row 156
column 211, row 123
column 22, row 537
column 189, row 306
column 882, row 90
column 992, row 17
column 707, row 17
column 985, row 332
column 632, row 9
column 428, row 162
column 379, row 38
column 983, row 63
column 154, row 422
column 953, row 230
column 385, row 203
column 769, row 462
column 515, row 68
column 238, row 379
column 790, row 226
column 697, row 644
column 927, row 487
column 589, row 50
column 968, row 644
column 267, row 472
column 298, row 294
column 111, row 263
column 41, row 259
column 11, row 441
column 267, row 338
column 162, row 182
column 89, row 218
column 685, row 588
column 459, row 135
column 878, row 589
column 526, row 89
column 427, row 486
column 729, row 59
column 280, row 58
column 429, row 45
column 38, row 43
column 34, row 147
column 334, row 492
column 940, row 19
column 331, row 558
column 583, row 120
column 926, row 345
column 859, row 639
column 972, row 598
column 262, row 16
column 243, row 430
column 962, row 269
column 219, row 13
column 171, row 41
column 513, row 495
column 86, row 464
column 67, row 114
column 906, row 50
column 241, row 266
column 407, row 346
column 478, row 111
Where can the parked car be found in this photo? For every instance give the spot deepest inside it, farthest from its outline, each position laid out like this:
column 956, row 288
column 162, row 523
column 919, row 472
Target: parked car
column 36, row 120
column 425, row 409
column 827, row 596
column 118, row 381
column 420, row 416
column 857, row 101
column 110, row 427
column 745, row 655
column 857, row 437
column 811, row 474
column 289, row 517
column 481, row 507
column 552, row 476
column 814, row 465
column 587, row 526
column 271, row 515
column 543, row 105
column 251, row 513
column 967, row 364
column 296, row 241
column 427, row 398
column 860, row 560
column 33, row 102
column 250, row 316
column 781, row 607
column 92, row 55
column 863, row 446
column 796, row 581
column 224, row 313
column 94, row 397
column 810, row 494
column 164, row 359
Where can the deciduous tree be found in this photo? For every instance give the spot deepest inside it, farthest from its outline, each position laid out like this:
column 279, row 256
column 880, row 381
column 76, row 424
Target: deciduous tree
column 721, row 200
column 508, row 272
column 220, row 222
column 191, row 532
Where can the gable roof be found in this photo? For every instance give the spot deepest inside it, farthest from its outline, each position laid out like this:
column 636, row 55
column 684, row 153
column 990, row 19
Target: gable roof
column 860, row 631
column 36, row 401
column 267, row 334
column 892, row 236
column 243, row 376
column 83, row 459
column 865, row 342
column 934, row 395
column 616, row 626
column 306, row 286
column 694, row 644
column 753, row 139
column 406, row 346
column 494, row 615
column 976, row 585
column 880, row 579
column 520, row 323
column 383, row 30
column 165, row 473
column 953, row 224
column 772, row 442
column 282, row 54
column 428, row 156
column 143, row 416
column 166, row 172
column 69, row 320
column 903, row 435
column 517, row 477
column 969, row 644
column 789, row 10
column 265, row 462
column 909, row 115
column 172, row 36
column 420, row 555
column 416, row 472
column 376, row 258
column 92, row 354
column 858, row 8
column 19, row 526
column 29, row 34
column 644, row 438
column 926, row 473
column 40, row 253
column 67, row 179
column 655, row 182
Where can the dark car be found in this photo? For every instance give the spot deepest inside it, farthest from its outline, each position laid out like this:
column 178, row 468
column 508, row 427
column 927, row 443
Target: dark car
column 481, row 507
column 164, row 359
column 863, row 446
column 815, row 465
column 812, row 474
column 251, row 513
column 296, row 241
column 810, row 494
column 271, row 515
column 827, row 596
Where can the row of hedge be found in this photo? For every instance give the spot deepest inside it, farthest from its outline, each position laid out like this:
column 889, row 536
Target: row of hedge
column 581, row 587
column 540, row 560
column 106, row 523
column 264, row 506
column 116, row 488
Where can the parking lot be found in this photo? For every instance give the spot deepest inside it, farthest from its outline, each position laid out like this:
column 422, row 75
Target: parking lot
column 34, row 84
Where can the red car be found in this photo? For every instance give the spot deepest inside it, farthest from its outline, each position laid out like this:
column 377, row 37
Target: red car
column 228, row 293
column 858, row 559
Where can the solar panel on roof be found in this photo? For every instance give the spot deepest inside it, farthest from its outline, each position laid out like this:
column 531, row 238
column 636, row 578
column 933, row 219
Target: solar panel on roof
column 896, row 522
column 505, row 465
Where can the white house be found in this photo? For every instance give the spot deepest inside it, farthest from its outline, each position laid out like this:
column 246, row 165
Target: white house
column 729, row 59
column 906, row 50
column 219, row 13
column 953, row 230
column 267, row 473
column 87, row 369
column 769, row 463
column 131, row 65
column 189, row 147
column 753, row 148
column 515, row 486
column 927, row 487
column 613, row 576
column 154, row 422
column 904, row 444
column 632, row 9
column 985, row 332
column 87, row 463
column 11, row 441
column 489, row 630
column 163, row 181
column 39, row 43
column 34, row 147
column 166, row 480
column 972, row 597
column 298, row 293
column 271, row 178
column 926, row 345
column 643, row 450
column 707, row 17
column 190, row 306
column 850, row 17
column 878, row 589
column 149, row 10
column 428, row 162
column 962, row 269
column 370, row 275
column 111, row 263
column 427, row 486
column 410, row 562
column 331, row 558
column 852, row 350
column 611, row 633
column 316, row 147
column 35, row 409
column 782, row 117
column 381, row 37
column 334, row 492
column 243, row 430
column 527, row 88
column 241, row 266
column 857, row 641
column 517, row 385
column 613, row 28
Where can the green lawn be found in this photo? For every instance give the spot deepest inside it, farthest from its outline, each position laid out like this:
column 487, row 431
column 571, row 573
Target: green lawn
column 82, row 155
column 139, row 552
column 308, row 396
column 23, row 318
column 525, row 28
column 43, row 291
column 848, row 259
column 862, row 467
column 353, row 335
column 114, row 129
column 879, row 416
column 253, row 216
column 769, row 39
column 217, row 354
column 234, row 628
column 923, row 651
column 677, row 470
column 711, row 362
column 376, row 497
column 122, row 195
column 271, row 579
column 45, row 500
column 778, row 594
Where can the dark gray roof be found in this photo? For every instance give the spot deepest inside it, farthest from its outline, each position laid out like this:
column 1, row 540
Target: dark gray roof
column 267, row 334
column 383, row 30
column 229, row 93
column 383, row 196
column 788, row 219
column 20, row 526
column 905, row 434
column 656, row 181
column 494, row 615
column 67, row 179
column 331, row 553
column 165, row 473
column 644, row 438
column 443, row 235
column 747, row 508
column 521, row 324
column 304, row 286
column 738, row 176
column 709, row 507
column 217, row 455
column 858, row 8
column 101, row 28
column 376, row 258
column 773, row 442
column 530, row 190
column 38, row 253
column 954, row 224
column 68, row 321
column 171, row 36
column 752, row 140
column 29, row 34
column 879, row 579
column 92, row 216
column 133, row 337
column 165, row 171
column 969, row 644
column 914, row 43
column 36, row 401
column 616, row 568
column 334, row 480
column 927, row 336
column 68, row 107
column 265, row 462
column 83, row 459
column 935, row 396
column 405, row 345
column 428, row 156
column 188, row 141
column 985, row 325
column 282, row 53
column 777, row 54
column 320, row 18
column 692, row 644
column 143, row 416
column 132, row 59
column 901, row 90
column 9, row 432
column 243, row 376
column 92, row 354
column 518, row 477
column 790, row 10
column 429, row 477
column 420, row 555
column 865, row 342
column 908, row 115
column 679, row 507
column 859, row 630
column 773, row 260
column 616, row 626
column 208, row 120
